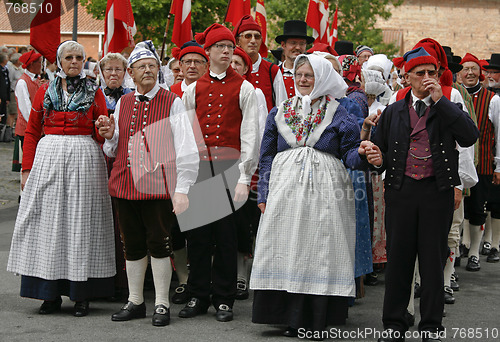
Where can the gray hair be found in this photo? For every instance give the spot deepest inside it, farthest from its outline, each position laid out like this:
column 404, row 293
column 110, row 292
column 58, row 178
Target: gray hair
column 15, row 58
column 70, row 46
column 301, row 61
column 3, row 57
column 112, row 56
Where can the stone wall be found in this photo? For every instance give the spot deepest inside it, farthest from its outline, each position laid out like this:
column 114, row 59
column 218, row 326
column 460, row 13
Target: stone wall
column 466, row 26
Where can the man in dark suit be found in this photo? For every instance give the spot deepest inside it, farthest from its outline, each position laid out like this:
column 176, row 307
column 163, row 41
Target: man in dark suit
column 415, row 143
column 4, row 87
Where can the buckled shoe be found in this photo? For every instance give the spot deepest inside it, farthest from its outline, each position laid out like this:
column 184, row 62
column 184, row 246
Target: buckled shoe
column 224, row 313
column 161, row 316
column 193, row 308
column 130, row 311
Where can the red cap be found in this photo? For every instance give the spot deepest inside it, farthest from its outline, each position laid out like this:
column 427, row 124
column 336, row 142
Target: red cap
column 246, row 23
column 470, row 58
column 322, row 47
column 246, row 58
column 434, row 49
column 189, row 47
column 29, row 57
column 213, row 34
column 399, row 62
column 416, row 57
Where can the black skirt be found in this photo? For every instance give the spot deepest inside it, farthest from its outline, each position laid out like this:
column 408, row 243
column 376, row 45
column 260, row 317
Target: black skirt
column 38, row 288
column 295, row 310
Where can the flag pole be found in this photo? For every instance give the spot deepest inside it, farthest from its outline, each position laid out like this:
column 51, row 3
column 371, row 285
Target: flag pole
column 166, row 33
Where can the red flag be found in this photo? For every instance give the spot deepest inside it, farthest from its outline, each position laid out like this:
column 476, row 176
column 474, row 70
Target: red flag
column 236, row 9
column 261, row 19
column 334, row 32
column 317, row 18
column 45, row 28
column 119, row 26
column 182, row 31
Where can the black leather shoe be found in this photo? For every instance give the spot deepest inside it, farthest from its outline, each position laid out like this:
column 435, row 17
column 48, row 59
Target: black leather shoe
column 130, row 311
column 454, row 283
column 371, row 279
column 486, row 248
column 161, row 316
column 224, row 313
column 181, row 295
column 458, row 260
column 50, row 306
column 430, row 337
column 241, row 290
column 448, row 295
column 193, row 308
column 391, row 335
column 81, row 308
column 493, row 256
column 291, row 332
column 410, row 319
column 473, row 264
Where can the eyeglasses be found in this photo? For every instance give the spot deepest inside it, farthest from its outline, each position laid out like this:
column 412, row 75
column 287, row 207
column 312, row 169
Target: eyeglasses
column 110, row 70
column 188, row 62
column 472, row 69
column 490, row 72
column 143, row 67
column 222, row 47
column 296, row 42
column 308, row 77
column 421, row 73
column 71, row 57
column 249, row 36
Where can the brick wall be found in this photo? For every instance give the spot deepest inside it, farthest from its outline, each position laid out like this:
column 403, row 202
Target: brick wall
column 464, row 25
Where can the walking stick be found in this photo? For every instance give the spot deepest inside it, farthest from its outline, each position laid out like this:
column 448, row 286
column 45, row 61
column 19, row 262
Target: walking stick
column 166, row 33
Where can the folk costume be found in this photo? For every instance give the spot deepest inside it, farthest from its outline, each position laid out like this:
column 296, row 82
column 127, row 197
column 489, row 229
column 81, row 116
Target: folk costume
column 63, row 237
column 225, row 106
column 155, row 156
column 309, row 208
column 419, row 154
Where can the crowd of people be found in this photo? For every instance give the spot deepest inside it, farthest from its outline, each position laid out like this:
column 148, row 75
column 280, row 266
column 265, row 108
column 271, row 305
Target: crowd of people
column 299, row 179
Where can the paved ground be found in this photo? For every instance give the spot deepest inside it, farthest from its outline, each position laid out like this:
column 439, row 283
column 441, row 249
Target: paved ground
column 474, row 313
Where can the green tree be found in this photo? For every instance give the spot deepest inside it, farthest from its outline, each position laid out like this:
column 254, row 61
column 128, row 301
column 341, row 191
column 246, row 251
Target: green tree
column 356, row 19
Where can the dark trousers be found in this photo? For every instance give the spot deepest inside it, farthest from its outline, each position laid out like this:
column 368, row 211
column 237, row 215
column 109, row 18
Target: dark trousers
column 417, row 220
column 481, row 194
column 145, row 225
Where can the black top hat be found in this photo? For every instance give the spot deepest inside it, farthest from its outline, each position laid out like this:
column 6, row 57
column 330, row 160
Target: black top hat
column 494, row 62
column 452, row 65
column 447, row 50
column 294, row 29
column 344, row 47
column 277, row 53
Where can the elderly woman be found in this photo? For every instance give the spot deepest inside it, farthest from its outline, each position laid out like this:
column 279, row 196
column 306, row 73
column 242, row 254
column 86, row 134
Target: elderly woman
column 307, row 200
column 63, row 237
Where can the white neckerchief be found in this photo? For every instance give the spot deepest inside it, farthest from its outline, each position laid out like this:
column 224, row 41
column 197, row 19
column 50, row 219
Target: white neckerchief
column 150, row 94
column 219, row 76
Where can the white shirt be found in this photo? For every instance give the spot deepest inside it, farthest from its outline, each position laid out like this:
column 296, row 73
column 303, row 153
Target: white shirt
column 23, row 96
column 187, row 158
column 494, row 116
column 278, row 83
column 249, row 130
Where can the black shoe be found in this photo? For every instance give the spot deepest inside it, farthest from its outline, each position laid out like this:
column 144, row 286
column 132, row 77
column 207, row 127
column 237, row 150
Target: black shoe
column 464, row 251
column 391, row 335
column 193, row 308
column 241, row 290
column 81, row 308
column 410, row 319
column 418, row 290
column 448, row 295
column 486, row 248
column 473, row 264
column 224, row 313
column 130, row 311
column 161, row 316
column 458, row 260
column 181, row 295
column 50, row 306
column 431, row 337
column 291, row 332
column 493, row 256
column 454, row 283
column 371, row 279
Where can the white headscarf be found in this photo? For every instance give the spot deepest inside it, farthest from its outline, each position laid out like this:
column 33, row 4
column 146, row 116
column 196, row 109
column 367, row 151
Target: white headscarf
column 60, row 71
column 379, row 62
column 326, row 81
column 374, row 82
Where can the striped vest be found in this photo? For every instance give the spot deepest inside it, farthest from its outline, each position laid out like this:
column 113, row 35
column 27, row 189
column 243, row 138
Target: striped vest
column 33, row 86
column 144, row 167
column 481, row 101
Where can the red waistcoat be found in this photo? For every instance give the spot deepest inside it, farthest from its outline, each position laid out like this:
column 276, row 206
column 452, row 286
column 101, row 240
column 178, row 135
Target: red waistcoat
column 219, row 114
column 289, row 84
column 144, row 167
column 481, row 101
column 33, row 86
column 264, row 78
column 177, row 89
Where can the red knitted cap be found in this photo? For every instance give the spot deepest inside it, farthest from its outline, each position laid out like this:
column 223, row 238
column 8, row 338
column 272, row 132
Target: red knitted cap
column 246, row 23
column 29, row 57
column 246, row 58
column 213, row 34
column 435, row 50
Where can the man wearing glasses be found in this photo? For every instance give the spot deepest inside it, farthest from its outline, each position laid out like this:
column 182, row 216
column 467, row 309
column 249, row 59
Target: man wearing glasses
column 492, row 73
column 415, row 142
column 265, row 75
column 226, row 107
column 293, row 41
column 156, row 162
column 193, row 62
column 487, row 108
